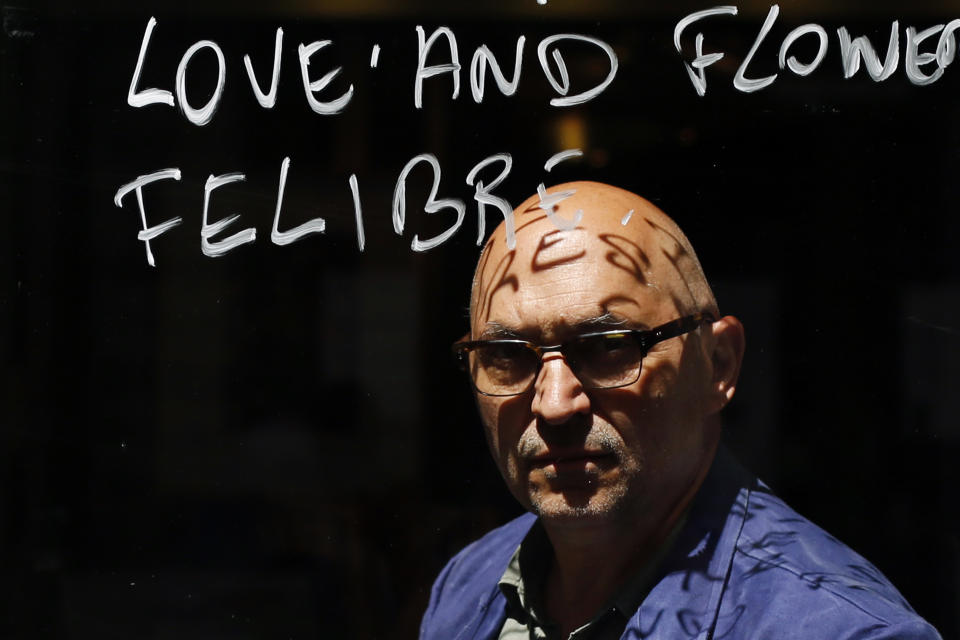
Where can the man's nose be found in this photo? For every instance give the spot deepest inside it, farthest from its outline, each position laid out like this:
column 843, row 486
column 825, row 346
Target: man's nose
column 558, row 394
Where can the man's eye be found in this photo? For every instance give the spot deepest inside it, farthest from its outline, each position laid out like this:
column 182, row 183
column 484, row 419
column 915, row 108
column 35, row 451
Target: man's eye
column 606, row 351
column 499, row 356
column 613, row 344
column 607, row 345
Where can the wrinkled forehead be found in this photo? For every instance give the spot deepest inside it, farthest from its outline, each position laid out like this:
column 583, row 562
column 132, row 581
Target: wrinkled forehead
column 622, row 256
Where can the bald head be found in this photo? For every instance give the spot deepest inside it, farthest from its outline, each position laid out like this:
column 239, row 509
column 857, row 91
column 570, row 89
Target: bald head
column 575, row 234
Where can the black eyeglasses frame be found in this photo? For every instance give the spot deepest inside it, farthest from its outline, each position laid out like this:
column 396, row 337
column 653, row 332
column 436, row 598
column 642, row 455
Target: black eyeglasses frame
column 646, row 338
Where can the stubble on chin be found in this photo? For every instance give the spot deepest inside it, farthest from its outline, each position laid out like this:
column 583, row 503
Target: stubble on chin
column 599, row 502
column 600, row 494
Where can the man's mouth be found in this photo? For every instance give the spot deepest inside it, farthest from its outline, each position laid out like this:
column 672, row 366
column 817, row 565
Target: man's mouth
column 572, row 461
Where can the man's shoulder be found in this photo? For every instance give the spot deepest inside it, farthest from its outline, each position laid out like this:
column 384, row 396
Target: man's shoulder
column 788, row 571
column 749, row 566
column 465, row 591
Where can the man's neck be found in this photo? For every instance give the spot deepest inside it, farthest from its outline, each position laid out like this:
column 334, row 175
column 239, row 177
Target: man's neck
column 588, row 569
column 592, row 562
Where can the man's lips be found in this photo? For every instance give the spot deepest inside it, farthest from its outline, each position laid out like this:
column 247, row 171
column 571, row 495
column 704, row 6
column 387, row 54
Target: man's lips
column 570, row 460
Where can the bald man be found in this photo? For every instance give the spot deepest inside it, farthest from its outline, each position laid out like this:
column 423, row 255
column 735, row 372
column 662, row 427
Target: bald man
column 600, row 364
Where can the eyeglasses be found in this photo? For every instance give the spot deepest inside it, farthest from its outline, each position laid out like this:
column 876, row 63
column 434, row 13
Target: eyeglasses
column 604, row 360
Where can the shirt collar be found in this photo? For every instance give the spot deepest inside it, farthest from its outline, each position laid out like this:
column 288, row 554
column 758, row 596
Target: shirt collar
column 522, row 581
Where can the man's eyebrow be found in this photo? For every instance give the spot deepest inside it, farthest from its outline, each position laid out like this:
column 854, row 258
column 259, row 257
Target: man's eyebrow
column 601, row 322
column 604, row 322
column 496, row 331
column 607, row 321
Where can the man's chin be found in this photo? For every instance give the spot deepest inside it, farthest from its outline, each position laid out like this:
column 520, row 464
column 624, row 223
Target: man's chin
column 576, row 506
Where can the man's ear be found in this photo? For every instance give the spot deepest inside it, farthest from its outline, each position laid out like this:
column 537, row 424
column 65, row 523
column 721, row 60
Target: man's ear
column 726, row 357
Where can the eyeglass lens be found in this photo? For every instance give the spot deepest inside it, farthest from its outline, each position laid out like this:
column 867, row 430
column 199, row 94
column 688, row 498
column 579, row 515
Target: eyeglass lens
column 599, row 361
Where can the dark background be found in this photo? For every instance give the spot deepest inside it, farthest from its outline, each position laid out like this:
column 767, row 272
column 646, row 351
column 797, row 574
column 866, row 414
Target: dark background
column 274, row 443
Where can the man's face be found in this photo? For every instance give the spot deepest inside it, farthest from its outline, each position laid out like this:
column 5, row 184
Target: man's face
column 587, row 456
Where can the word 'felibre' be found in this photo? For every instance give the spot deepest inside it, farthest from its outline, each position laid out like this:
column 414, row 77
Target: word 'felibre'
column 483, row 196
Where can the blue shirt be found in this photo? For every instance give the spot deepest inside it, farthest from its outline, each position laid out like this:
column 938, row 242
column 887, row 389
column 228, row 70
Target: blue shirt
column 745, row 566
